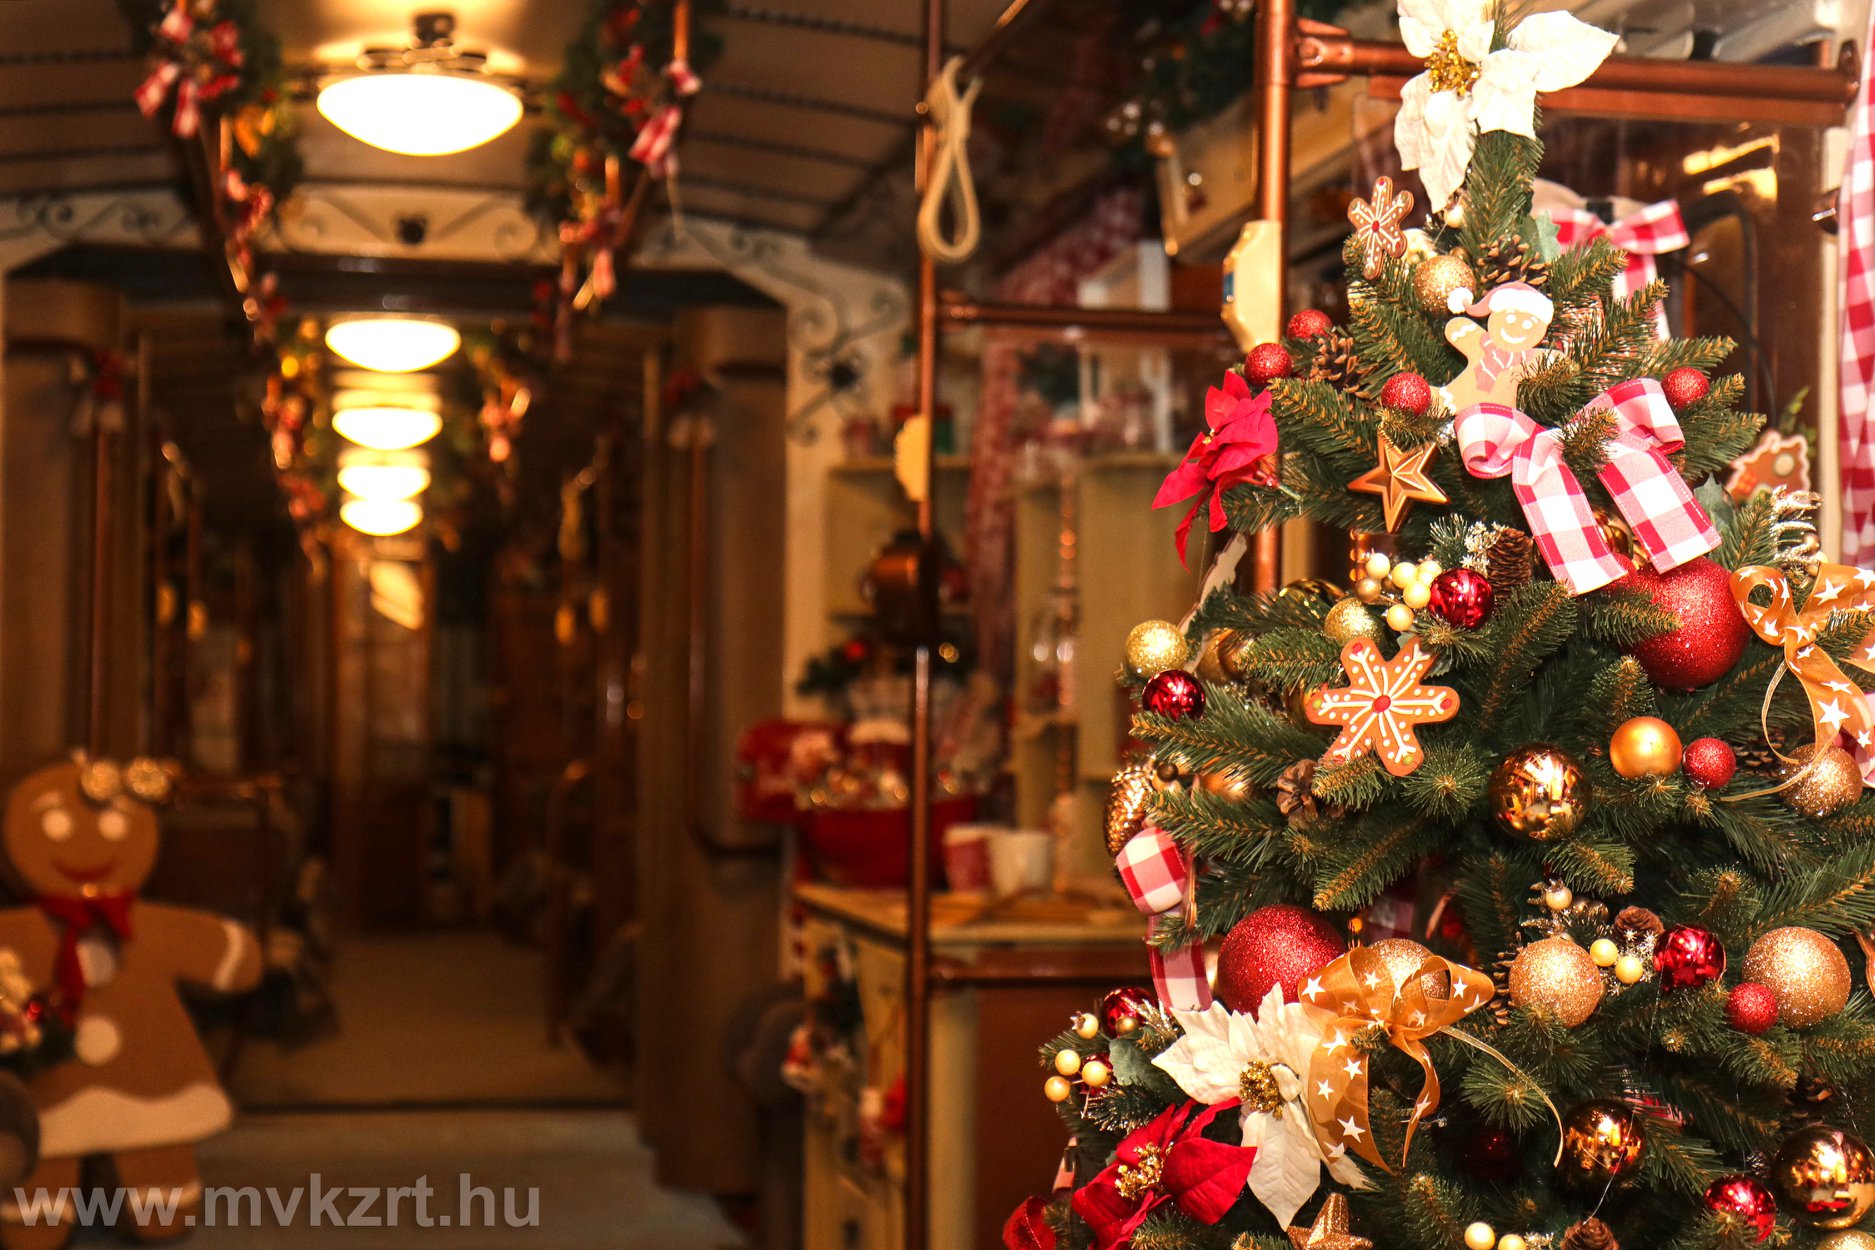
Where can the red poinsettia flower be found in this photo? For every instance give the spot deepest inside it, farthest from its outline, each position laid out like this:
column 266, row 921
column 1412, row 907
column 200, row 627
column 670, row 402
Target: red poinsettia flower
column 1235, row 448
column 1169, row 1160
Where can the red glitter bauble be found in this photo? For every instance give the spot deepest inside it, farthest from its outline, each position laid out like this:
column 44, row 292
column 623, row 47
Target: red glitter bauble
column 1461, row 597
column 1687, row 957
column 1267, row 362
column 1709, row 762
column 1027, row 1227
column 1175, row 695
column 1752, row 1008
column 1309, row 323
column 1276, row 945
column 1685, row 385
column 1119, row 1010
column 1712, row 632
column 1408, row 393
column 1745, row 1199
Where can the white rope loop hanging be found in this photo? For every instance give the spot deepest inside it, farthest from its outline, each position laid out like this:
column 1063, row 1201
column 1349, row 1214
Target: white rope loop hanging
column 950, row 178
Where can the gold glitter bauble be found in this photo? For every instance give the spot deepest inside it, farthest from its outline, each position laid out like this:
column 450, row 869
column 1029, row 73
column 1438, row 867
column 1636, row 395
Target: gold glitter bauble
column 1405, row 957
column 1823, row 1177
column 1154, row 646
column 1833, row 784
column 1558, row 975
column 1602, row 1142
column 1539, row 792
column 1848, row 1239
column 1437, row 277
column 1129, row 798
column 1805, row 970
column 1646, row 746
column 1350, row 619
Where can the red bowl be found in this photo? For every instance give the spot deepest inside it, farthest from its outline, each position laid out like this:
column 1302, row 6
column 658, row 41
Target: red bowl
column 871, row 849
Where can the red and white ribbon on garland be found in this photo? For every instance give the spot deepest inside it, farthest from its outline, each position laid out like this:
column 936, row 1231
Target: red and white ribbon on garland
column 655, row 146
column 1159, row 878
column 1497, row 440
column 198, row 66
column 1643, row 234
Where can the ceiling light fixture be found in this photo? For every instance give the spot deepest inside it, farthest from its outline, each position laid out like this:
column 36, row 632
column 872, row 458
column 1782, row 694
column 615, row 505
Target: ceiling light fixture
column 386, row 426
column 381, row 518
column 388, row 476
column 393, row 344
column 429, row 99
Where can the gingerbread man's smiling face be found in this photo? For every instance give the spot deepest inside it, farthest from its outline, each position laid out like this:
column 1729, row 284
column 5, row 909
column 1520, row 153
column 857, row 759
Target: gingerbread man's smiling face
column 1517, row 328
column 60, row 841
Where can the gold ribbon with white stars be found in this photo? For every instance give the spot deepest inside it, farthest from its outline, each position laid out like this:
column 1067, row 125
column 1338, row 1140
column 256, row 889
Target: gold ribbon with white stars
column 1836, row 703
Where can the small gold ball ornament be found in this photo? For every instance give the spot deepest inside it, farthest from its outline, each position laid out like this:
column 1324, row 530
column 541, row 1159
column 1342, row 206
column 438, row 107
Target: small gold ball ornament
column 1379, row 564
column 1369, row 590
column 1630, row 969
column 1604, row 952
column 1480, row 1236
column 1416, row 596
column 1539, row 792
column 1086, row 1026
column 1832, row 784
column 1350, row 619
column 1557, row 896
column 1848, row 1239
column 1805, row 970
column 1510, row 1241
column 1558, row 975
column 1824, row 1177
column 1645, row 746
column 1403, row 574
column 1095, row 1073
column 1067, row 1062
column 1404, row 958
column 1057, row 1089
column 1437, row 277
column 1399, row 618
column 1602, row 1142
column 1154, row 646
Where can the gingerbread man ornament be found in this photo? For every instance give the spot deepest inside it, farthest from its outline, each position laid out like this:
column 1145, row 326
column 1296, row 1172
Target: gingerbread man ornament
column 1517, row 317
column 138, row 1091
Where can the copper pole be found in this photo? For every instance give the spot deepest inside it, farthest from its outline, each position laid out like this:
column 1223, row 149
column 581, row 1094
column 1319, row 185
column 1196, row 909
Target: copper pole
column 102, row 521
column 680, row 31
column 1274, row 76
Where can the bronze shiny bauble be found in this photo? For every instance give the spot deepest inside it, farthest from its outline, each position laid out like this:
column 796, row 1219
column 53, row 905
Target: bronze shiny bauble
column 1227, row 784
column 1824, row 1177
column 1231, row 650
column 1645, row 746
column 1311, row 591
column 1369, row 590
column 1129, row 798
column 1805, row 970
column 1154, row 646
column 1828, row 786
column 1559, row 976
column 1350, row 619
column 1208, row 669
column 1404, row 958
column 1539, row 792
column 1167, row 775
column 1437, row 277
column 1602, row 1142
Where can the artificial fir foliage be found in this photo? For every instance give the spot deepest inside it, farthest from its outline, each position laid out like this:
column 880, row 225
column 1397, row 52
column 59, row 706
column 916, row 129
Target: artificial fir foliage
column 1717, row 868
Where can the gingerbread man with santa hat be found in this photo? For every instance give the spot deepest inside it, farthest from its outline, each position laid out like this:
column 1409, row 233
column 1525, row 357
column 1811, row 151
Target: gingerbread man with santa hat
column 1496, row 353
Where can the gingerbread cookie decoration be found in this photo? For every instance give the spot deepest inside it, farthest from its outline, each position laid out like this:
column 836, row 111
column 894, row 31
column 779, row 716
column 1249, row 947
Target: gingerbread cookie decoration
column 138, row 1091
column 1517, row 316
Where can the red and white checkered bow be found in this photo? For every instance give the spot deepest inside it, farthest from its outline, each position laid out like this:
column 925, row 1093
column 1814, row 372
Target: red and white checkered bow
column 654, row 146
column 197, row 74
column 1855, row 218
column 1667, row 521
column 1159, row 878
column 1643, row 234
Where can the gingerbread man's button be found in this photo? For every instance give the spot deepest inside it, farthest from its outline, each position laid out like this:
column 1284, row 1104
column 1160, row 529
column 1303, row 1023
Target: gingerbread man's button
column 97, row 959
column 97, row 1040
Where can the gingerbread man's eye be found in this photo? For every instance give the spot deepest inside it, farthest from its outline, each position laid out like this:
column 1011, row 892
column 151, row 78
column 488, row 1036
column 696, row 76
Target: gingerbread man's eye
column 113, row 824
column 56, row 823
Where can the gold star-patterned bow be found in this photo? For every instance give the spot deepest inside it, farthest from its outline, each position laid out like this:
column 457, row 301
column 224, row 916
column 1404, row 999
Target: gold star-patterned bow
column 1377, row 224
column 1330, row 1230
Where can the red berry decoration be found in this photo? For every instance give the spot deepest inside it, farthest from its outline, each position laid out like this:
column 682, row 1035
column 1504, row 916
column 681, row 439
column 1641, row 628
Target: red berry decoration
column 1685, row 385
column 1175, row 695
column 1309, row 323
column 1746, row 1200
column 1408, row 393
column 1709, row 762
column 1267, row 362
column 1461, row 597
column 1276, row 945
column 1119, row 1010
column 1712, row 633
column 1752, row 1008
column 1688, row 957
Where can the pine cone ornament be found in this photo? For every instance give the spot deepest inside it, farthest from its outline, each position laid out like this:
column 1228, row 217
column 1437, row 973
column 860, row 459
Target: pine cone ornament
column 1635, row 922
column 1509, row 562
column 1295, row 793
column 1338, row 362
column 1590, row 1234
column 1511, row 260
column 1128, row 800
column 1760, row 755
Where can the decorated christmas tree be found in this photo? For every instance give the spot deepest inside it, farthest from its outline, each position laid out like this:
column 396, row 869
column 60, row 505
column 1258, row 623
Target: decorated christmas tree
column 1526, row 871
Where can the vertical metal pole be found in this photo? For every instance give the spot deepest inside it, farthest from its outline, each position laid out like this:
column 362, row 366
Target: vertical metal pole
column 918, row 900
column 1275, row 79
column 103, row 485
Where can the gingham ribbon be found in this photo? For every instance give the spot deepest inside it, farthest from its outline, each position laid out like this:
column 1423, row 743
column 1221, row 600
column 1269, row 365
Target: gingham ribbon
column 221, row 56
column 1837, row 704
column 653, row 147
column 1855, row 218
column 1643, row 234
column 1359, row 990
column 682, row 78
column 1159, row 879
column 1667, row 521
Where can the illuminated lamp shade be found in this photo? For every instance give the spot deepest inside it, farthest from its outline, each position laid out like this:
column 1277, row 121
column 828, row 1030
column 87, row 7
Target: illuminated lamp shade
column 393, row 344
column 385, row 476
column 384, row 426
column 381, row 517
column 420, row 112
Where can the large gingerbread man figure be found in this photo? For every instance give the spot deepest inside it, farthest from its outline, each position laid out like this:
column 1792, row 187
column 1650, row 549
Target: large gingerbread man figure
column 139, row 1091
column 1498, row 352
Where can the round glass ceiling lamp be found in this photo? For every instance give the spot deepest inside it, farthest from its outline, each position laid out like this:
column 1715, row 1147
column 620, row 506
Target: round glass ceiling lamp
column 381, row 518
column 390, row 476
column 386, row 426
column 420, row 111
column 393, row 344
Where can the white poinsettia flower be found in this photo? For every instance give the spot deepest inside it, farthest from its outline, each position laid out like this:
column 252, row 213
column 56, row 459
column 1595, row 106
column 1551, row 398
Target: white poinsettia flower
column 1262, row 1060
column 1467, row 88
